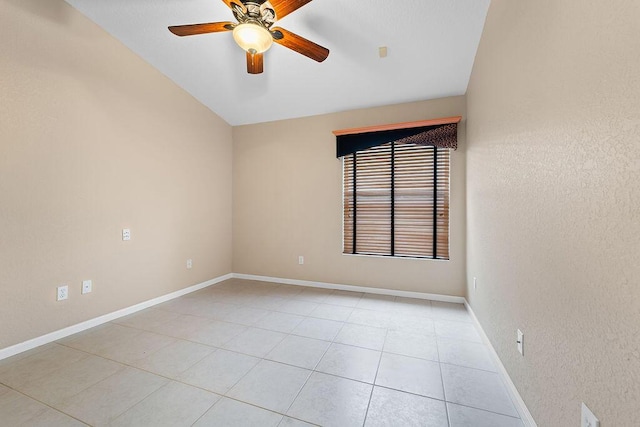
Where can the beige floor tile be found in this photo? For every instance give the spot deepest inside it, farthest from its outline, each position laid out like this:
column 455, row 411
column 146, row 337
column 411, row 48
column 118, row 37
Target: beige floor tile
column 395, row 408
column 332, row 401
column 246, row 315
column 362, row 336
column 450, row 311
column 146, row 319
column 412, row 375
column 63, row 383
column 215, row 333
column 270, row 385
column 12, row 359
column 314, row 294
column 175, row 404
column 478, row 389
column 299, row 351
column 320, row 329
column 332, row 312
column 103, row 402
column 464, row 353
column 350, row 362
column 463, row 416
column 16, row 408
column 344, row 298
column 219, row 371
column 411, row 344
column 265, row 302
column 413, row 324
column 174, row 359
column 97, row 340
column 182, row 326
column 413, row 307
column 137, row 347
column 52, row 418
column 280, row 322
column 369, row 318
column 231, row 413
column 377, row 302
column 292, row 422
column 299, row 307
column 255, row 342
column 38, row 365
column 457, row 331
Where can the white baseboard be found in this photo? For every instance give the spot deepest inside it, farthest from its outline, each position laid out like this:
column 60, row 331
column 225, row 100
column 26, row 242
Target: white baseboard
column 79, row 327
column 380, row 291
column 522, row 409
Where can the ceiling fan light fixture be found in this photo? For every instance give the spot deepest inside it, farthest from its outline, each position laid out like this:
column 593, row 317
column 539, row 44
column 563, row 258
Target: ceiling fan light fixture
column 253, row 38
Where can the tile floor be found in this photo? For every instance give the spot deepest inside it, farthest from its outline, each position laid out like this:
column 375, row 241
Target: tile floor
column 248, row 353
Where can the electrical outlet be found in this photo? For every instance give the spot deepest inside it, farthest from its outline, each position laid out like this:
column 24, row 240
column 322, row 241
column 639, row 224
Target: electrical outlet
column 587, row 418
column 189, row 264
column 126, row 234
column 475, row 283
column 300, row 260
column 520, row 342
column 87, row 286
column 63, row 293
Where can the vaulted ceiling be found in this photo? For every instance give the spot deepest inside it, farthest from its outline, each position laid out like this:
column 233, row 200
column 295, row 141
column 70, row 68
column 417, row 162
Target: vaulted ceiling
column 431, row 47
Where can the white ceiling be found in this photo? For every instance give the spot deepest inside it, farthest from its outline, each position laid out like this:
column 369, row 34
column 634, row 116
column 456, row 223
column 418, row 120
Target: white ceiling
column 431, row 48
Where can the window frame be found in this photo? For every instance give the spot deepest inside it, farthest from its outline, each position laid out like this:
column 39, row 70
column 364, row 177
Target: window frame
column 434, row 221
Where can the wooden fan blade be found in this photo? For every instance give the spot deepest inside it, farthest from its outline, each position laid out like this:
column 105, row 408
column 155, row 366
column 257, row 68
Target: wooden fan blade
column 255, row 63
column 299, row 44
column 193, row 29
column 285, row 7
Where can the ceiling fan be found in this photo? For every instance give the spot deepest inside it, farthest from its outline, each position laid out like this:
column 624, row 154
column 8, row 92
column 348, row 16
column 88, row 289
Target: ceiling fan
column 255, row 32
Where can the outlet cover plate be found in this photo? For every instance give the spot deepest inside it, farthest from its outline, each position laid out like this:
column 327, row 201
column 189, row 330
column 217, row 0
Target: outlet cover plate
column 588, row 419
column 63, row 293
column 87, row 286
column 126, row 234
column 520, row 342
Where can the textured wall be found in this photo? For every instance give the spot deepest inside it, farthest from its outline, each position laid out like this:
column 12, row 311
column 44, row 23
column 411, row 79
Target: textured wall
column 287, row 201
column 93, row 140
column 553, row 184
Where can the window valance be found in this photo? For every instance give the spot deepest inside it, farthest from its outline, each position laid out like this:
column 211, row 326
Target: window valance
column 441, row 133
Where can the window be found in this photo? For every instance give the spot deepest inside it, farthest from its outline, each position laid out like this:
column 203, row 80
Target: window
column 396, row 192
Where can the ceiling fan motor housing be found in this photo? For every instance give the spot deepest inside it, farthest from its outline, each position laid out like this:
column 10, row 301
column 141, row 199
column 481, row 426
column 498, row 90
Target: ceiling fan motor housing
column 260, row 12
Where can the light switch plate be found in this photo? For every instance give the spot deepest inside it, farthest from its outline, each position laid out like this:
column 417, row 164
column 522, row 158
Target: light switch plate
column 588, row 419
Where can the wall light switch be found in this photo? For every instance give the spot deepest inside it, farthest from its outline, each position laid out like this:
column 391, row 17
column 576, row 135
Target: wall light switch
column 475, row 283
column 587, row 418
column 300, row 260
column 189, row 264
column 87, row 286
column 126, row 234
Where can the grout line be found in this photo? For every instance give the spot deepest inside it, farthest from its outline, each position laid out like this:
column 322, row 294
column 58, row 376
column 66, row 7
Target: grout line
column 375, row 377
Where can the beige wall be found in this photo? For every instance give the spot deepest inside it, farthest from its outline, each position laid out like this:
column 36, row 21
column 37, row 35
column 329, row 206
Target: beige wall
column 287, row 201
column 92, row 140
column 553, row 184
